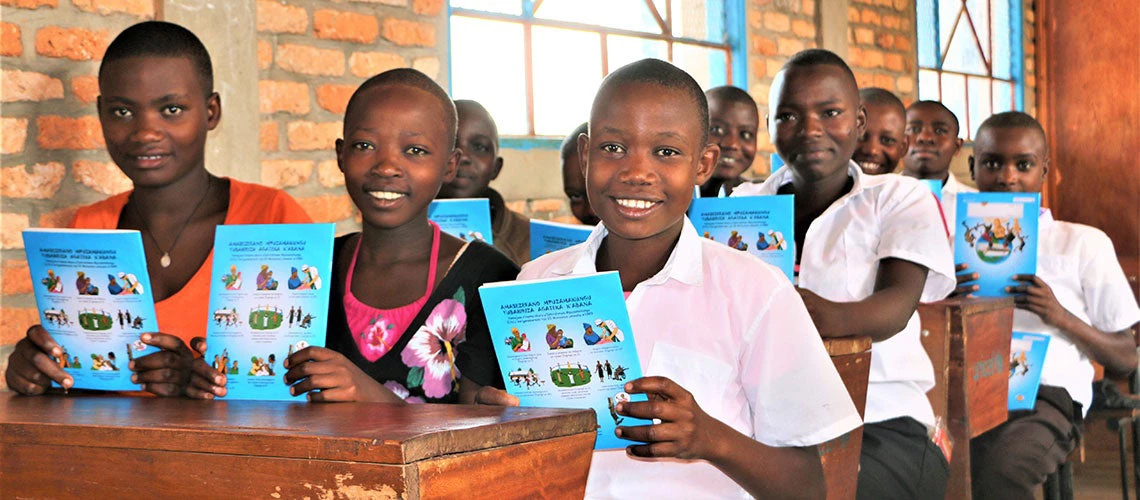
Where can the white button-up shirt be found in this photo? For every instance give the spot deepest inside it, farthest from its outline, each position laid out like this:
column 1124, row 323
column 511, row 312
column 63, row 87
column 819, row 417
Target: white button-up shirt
column 731, row 330
column 949, row 200
column 883, row 216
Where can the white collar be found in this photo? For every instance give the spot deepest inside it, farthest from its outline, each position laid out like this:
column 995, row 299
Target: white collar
column 783, row 177
column 685, row 263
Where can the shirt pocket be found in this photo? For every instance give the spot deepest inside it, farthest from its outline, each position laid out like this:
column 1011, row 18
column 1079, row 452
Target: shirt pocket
column 707, row 378
column 861, row 253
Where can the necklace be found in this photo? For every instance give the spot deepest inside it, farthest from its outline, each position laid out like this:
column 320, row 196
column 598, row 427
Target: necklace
column 165, row 260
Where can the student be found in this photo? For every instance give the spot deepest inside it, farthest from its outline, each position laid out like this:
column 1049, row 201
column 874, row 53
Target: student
column 932, row 131
column 1079, row 297
column 733, row 121
column 574, row 179
column 404, row 294
column 738, row 376
column 884, row 142
column 868, row 248
column 156, row 106
column 479, row 164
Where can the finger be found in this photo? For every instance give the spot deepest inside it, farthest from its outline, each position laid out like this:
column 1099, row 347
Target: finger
column 309, row 369
column 194, row 392
column 652, row 450
column 156, row 361
column 1017, row 289
column 338, row 395
column 666, row 410
column 656, row 433
column 311, row 353
column 44, row 364
column 22, row 384
column 313, row 383
column 491, row 396
column 658, row 385
column 160, row 376
column 961, row 267
column 199, row 388
column 164, row 390
column 966, row 278
column 164, row 341
column 965, row 290
column 44, row 341
column 198, row 345
column 207, row 379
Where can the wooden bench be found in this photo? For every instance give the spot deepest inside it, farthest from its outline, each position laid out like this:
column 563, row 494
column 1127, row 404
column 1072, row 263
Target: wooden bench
column 122, row 447
column 968, row 344
column 840, row 456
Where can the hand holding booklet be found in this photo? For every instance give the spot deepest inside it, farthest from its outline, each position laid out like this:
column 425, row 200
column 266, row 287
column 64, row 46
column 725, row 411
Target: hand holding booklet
column 566, row 343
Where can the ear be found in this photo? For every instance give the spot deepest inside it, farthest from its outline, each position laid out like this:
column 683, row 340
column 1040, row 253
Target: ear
column 707, row 162
column 583, row 154
column 453, row 166
column 339, row 150
column 497, row 167
column 957, row 146
column 1045, row 167
column 970, row 162
column 213, row 111
column 861, row 121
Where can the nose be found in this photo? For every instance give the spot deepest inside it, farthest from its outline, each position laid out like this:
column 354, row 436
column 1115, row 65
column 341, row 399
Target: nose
column 730, row 141
column 868, row 146
column 386, row 163
column 638, row 170
column 812, row 125
column 146, row 129
column 925, row 136
column 1008, row 175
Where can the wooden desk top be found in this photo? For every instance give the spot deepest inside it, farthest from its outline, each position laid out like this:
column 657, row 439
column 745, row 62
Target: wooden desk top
column 360, row 432
column 839, row 346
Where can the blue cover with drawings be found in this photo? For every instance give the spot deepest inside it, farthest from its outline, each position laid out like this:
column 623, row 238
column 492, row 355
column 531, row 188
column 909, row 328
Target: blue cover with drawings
column 1026, row 358
column 268, row 299
column 997, row 237
column 94, row 297
column 566, row 343
column 546, row 236
column 760, row 225
column 468, row 219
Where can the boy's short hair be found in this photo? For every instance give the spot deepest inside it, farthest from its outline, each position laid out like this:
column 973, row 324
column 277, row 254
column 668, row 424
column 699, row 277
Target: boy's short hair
column 415, row 79
column 820, row 57
column 570, row 143
column 1014, row 119
column 937, row 104
column 482, row 109
column 883, row 97
column 161, row 39
column 658, row 72
column 731, row 94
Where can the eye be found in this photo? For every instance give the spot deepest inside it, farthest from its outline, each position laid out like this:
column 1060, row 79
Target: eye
column 913, row 130
column 614, row 149
column 1024, row 165
column 716, row 130
column 121, row 112
column 172, row 110
column 416, row 151
column 888, row 141
column 991, row 165
column 832, row 113
column 747, row 135
column 576, row 197
column 363, row 146
column 785, row 117
column 942, row 131
column 668, row 152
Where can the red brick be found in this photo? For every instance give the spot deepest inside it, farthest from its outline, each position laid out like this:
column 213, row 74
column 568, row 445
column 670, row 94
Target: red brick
column 893, row 22
column 904, row 43
column 328, row 208
column 62, row 132
column 864, row 36
column 885, row 82
column 85, row 88
column 10, row 44
column 15, row 135
column 334, row 97
column 864, row 79
column 427, row 7
column 885, row 40
column 855, row 56
column 14, row 323
column 329, row 174
column 15, row 278
column 268, row 136
column 312, row 136
column 57, row 218
column 805, row 29
column 105, row 178
column 409, row 33
column 273, row 16
column 11, row 226
column 264, row 54
column 30, row 4
column 140, row 8
column 759, row 69
column 368, row 64
column 285, row 173
column 347, row 26
column 853, row 15
column 427, row 65
column 871, row 17
column 790, row 46
column 808, row 7
column 872, row 58
column 885, row 3
column 28, row 86
column 904, row 84
column 77, row 44
column 274, row 96
column 310, row 60
column 764, row 46
column 41, row 183
column 894, row 62
column 776, row 21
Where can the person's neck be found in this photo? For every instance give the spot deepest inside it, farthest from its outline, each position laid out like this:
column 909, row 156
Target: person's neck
column 637, row 260
column 943, row 175
column 813, row 196
column 712, row 187
column 408, row 242
column 177, row 199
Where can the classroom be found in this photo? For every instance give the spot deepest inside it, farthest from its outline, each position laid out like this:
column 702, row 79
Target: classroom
column 923, row 188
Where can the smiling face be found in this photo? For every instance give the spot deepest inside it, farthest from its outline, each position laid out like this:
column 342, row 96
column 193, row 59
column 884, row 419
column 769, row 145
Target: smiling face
column 643, row 156
column 395, row 154
column 884, row 142
column 815, row 119
column 732, row 126
column 479, row 161
column 1009, row 159
column 155, row 114
column 933, row 137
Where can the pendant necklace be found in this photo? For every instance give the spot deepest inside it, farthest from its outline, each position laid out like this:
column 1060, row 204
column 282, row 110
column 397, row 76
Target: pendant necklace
column 165, row 260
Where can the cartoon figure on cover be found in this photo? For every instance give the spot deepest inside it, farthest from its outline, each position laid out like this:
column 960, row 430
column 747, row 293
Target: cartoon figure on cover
column 555, row 338
column 52, row 282
column 518, row 341
column 232, row 280
column 609, row 332
column 997, row 236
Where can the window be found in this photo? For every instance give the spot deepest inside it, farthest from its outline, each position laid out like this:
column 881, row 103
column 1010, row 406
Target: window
column 536, row 64
column 969, row 57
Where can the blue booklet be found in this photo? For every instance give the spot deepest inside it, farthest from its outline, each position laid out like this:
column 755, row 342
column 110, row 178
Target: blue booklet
column 546, row 236
column 268, row 299
column 468, row 219
column 566, row 343
column 94, row 298
column 935, row 186
column 997, row 237
column 1026, row 358
column 776, row 162
column 760, row 225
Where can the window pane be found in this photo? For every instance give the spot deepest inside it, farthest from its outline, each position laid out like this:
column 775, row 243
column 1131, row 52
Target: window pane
column 928, row 85
column 927, row 43
column 948, row 11
column 963, row 55
column 954, row 97
column 1002, row 35
column 980, row 14
column 1003, row 96
column 513, row 7
column 980, row 101
column 698, row 19
column 567, row 71
column 499, row 82
column 625, row 50
column 621, row 14
column 707, row 66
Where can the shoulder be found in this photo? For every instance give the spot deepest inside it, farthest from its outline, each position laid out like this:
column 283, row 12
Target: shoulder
column 542, row 266
column 101, row 214
column 488, row 264
column 254, row 203
column 896, row 194
column 1080, row 237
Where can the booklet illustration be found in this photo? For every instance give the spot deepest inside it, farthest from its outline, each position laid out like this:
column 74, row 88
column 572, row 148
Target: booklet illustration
column 566, row 343
column 1026, row 357
column 468, row 219
column 94, row 297
column 547, row 236
column 268, row 299
column 997, row 237
column 760, row 225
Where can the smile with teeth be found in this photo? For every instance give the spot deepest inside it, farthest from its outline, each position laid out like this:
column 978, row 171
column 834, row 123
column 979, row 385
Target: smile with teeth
column 636, row 204
column 869, row 164
column 385, row 195
column 149, row 157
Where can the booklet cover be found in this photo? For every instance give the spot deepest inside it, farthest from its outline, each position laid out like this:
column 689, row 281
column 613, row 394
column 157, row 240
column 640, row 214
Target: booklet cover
column 1026, row 357
column 468, row 219
column 93, row 294
column 546, row 236
column 935, row 186
column 566, row 343
column 775, row 163
column 760, row 225
column 997, row 237
column 268, row 299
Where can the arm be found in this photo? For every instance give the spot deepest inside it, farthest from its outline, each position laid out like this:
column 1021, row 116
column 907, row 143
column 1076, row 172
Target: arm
column 898, row 286
column 687, row 432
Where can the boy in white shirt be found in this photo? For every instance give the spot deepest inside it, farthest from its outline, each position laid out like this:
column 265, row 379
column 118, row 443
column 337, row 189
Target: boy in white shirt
column 868, row 248
column 1079, row 297
column 932, row 131
column 735, row 371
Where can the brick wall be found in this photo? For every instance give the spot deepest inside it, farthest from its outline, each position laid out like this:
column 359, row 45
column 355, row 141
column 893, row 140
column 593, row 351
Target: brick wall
column 881, row 45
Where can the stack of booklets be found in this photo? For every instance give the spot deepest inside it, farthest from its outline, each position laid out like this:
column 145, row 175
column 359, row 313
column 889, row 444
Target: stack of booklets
column 468, row 219
column 1026, row 358
column 760, row 225
column 546, row 236
column 566, row 343
column 997, row 238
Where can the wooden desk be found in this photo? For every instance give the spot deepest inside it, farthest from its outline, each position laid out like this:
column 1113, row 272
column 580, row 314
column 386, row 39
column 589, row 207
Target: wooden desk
column 142, row 447
column 968, row 343
column 840, row 456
